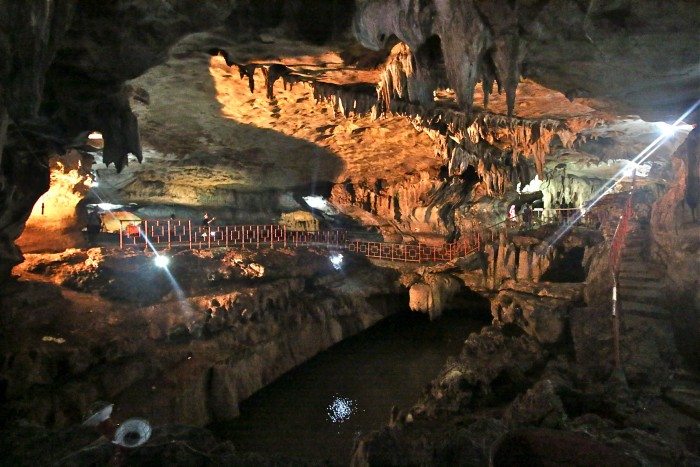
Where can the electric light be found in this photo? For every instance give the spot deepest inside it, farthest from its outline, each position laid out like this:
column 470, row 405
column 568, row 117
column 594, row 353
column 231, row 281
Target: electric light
column 337, row 260
column 94, row 135
column 161, row 261
column 320, row 203
column 109, row 206
column 667, row 130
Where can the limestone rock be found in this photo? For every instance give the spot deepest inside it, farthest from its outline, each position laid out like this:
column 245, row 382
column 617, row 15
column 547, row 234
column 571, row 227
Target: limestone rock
column 544, row 318
column 433, row 294
column 539, row 406
column 559, row 447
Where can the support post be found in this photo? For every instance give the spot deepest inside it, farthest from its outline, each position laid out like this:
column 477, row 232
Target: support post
column 226, row 241
column 189, row 230
column 284, row 235
column 169, row 239
column 121, row 234
column 615, row 326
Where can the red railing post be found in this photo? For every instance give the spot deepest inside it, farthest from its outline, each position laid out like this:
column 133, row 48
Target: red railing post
column 616, row 246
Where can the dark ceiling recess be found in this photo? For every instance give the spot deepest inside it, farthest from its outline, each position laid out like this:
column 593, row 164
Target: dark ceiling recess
column 317, row 21
column 249, row 16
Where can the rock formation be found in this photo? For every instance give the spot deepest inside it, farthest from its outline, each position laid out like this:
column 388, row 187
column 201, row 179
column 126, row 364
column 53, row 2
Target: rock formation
column 62, row 76
column 461, row 110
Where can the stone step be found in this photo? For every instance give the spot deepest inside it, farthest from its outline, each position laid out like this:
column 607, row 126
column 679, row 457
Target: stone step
column 684, row 399
column 639, row 276
column 635, row 265
column 683, row 376
column 641, row 294
column 633, row 262
column 644, row 309
column 633, row 285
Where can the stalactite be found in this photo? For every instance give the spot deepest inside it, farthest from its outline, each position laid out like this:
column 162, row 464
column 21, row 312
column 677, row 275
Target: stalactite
column 272, row 74
column 478, row 40
column 249, row 71
column 359, row 99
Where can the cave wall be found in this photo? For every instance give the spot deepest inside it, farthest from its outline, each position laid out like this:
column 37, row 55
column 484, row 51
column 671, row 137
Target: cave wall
column 675, row 231
column 62, row 71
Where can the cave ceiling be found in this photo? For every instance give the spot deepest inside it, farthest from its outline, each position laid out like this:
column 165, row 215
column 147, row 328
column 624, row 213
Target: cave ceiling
column 204, row 130
column 512, row 88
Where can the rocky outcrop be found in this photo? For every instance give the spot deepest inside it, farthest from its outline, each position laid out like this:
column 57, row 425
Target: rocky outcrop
column 433, row 293
column 541, row 310
column 186, row 351
column 675, row 229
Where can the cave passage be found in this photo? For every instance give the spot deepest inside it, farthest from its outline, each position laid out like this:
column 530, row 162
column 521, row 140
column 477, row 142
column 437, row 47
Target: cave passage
column 389, row 364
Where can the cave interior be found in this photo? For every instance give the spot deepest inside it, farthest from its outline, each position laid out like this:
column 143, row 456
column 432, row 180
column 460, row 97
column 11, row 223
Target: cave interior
column 211, row 210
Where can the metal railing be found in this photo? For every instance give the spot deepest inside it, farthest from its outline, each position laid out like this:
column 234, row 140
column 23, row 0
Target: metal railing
column 618, row 241
column 417, row 253
column 616, row 247
column 175, row 232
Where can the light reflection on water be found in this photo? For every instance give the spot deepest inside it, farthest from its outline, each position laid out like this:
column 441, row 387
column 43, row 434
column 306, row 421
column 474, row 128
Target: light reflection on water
column 317, row 410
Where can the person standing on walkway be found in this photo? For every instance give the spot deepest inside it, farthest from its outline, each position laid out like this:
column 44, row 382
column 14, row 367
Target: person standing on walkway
column 94, row 226
column 527, row 216
column 512, row 215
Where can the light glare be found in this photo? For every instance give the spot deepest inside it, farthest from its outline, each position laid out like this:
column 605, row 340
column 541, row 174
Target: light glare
column 162, row 261
column 337, row 260
column 109, row 206
column 340, row 409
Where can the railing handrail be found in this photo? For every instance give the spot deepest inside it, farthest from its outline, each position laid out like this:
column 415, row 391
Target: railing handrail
column 185, row 232
column 616, row 246
column 619, row 237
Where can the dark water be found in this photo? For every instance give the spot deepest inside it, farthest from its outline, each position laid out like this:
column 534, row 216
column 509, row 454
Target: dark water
column 389, row 364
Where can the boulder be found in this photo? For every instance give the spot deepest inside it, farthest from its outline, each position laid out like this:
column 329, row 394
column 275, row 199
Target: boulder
column 551, row 447
column 540, row 406
column 544, row 318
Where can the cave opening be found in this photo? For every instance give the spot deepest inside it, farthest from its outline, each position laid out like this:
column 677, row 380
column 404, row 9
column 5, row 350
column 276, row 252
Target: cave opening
column 567, row 266
column 470, row 177
column 319, row 21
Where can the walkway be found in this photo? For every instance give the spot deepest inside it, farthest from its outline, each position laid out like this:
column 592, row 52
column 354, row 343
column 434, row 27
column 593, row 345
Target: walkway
column 170, row 233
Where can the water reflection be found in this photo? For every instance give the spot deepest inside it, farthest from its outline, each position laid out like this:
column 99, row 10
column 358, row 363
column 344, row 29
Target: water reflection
column 316, row 411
